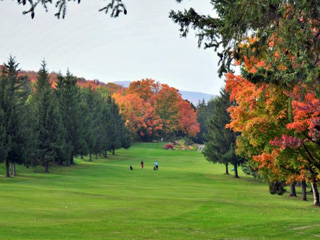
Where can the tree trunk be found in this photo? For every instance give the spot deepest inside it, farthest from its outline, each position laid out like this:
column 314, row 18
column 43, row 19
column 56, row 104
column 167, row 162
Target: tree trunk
column 236, row 171
column 227, row 170
column 105, row 154
column 304, row 190
column 7, row 168
column 293, row 190
column 90, row 158
column 81, row 157
column 46, row 167
column 113, row 151
column 96, row 156
column 315, row 193
column 14, row 170
column 71, row 160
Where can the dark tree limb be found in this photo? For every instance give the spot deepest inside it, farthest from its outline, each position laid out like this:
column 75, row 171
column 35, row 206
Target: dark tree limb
column 115, row 7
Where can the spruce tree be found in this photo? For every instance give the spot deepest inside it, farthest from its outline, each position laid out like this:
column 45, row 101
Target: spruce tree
column 99, row 123
column 114, row 126
column 4, row 144
column 204, row 114
column 106, row 122
column 69, row 99
column 50, row 128
column 220, row 142
column 125, row 136
column 16, row 126
column 88, row 110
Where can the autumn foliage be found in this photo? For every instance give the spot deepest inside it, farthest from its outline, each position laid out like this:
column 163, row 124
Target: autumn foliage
column 110, row 88
column 152, row 110
column 279, row 125
column 155, row 110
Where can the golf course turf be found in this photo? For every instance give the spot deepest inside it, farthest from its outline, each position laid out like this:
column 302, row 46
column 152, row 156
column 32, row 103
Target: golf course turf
column 188, row 198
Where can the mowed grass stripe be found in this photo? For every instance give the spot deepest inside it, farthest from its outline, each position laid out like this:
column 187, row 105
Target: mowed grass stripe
column 188, row 198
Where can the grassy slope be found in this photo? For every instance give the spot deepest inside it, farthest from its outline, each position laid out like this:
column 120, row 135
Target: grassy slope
column 188, row 198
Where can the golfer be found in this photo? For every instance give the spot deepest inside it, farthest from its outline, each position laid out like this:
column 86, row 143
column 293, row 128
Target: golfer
column 156, row 164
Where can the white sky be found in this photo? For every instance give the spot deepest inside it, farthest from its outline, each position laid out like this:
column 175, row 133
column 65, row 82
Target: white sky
column 143, row 44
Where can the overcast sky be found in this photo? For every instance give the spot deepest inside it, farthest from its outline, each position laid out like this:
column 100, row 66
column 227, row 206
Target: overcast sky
column 143, row 44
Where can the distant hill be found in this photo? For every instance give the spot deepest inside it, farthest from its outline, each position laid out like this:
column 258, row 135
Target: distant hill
column 193, row 97
column 82, row 82
column 124, row 84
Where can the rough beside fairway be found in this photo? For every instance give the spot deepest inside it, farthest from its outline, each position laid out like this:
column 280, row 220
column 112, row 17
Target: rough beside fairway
column 188, row 198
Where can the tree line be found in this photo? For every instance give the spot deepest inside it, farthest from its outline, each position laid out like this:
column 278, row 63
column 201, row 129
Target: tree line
column 46, row 123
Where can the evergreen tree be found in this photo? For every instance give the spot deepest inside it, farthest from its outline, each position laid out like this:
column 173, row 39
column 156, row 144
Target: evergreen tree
column 50, row 128
column 69, row 98
column 204, row 114
column 3, row 133
column 16, row 125
column 125, row 136
column 220, row 143
column 102, row 116
column 89, row 110
column 106, row 123
column 114, row 129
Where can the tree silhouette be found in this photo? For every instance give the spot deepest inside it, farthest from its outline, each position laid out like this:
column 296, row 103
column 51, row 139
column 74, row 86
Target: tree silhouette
column 114, row 7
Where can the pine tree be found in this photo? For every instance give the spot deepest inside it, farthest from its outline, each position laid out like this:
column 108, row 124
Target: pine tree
column 50, row 128
column 101, row 117
column 106, row 120
column 125, row 136
column 89, row 110
column 69, row 98
column 114, row 126
column 16, row 127
column 3, row 133
column 204, row 114
column 220, row 142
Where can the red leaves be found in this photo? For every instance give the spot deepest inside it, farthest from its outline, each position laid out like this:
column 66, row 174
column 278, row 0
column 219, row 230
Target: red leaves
column 287, row 141
column 306, row 115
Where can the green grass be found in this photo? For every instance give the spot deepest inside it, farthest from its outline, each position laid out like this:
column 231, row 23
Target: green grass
column 188, row 198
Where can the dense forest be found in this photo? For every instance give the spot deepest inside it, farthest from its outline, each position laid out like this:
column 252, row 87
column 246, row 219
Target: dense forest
column 54, row 120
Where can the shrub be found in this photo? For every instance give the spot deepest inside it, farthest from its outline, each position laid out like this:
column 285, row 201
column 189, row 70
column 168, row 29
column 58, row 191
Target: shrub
column 168, row 146
column 277, row 187
column 188, row 141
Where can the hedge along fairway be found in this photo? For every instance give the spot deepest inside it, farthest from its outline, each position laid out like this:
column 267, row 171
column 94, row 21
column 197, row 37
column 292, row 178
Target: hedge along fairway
column 188, row 198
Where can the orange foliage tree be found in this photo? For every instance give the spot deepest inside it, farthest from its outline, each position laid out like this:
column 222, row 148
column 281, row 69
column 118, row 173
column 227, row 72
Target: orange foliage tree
column 188, row 119
column 155, row 110
column 261, row 116
column 279, row 125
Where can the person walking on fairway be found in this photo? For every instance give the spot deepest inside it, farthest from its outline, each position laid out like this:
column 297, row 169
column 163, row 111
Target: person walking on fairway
column 142, row 164
column 156, row 165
